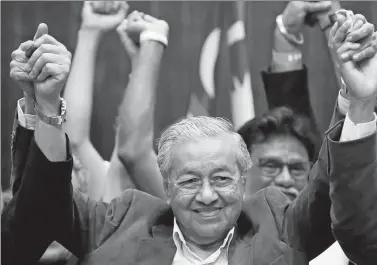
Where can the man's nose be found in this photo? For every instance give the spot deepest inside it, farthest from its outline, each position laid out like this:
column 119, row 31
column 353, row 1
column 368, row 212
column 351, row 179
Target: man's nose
column 206, row 195
column 284, row 179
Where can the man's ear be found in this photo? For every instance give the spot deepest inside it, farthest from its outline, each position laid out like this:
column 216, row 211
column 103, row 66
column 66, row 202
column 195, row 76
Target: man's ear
column 166, row 188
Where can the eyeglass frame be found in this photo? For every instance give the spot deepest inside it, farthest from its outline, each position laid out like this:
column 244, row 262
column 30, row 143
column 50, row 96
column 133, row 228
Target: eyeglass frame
column 281, row 167
column 201, row 186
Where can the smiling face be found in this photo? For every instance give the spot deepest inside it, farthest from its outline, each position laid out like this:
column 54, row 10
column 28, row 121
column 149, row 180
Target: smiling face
column 206, row 216
column 281, row 161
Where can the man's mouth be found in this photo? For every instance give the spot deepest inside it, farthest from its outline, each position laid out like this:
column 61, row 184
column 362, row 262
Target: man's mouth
column 291, row 194
column 207, row 212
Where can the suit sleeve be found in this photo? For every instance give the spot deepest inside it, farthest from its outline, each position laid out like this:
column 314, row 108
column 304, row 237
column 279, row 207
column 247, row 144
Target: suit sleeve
column 313, row 218
column 46, row 208
column 288, row 89
column 21, row 140
column 307, row 223
column 352, row 168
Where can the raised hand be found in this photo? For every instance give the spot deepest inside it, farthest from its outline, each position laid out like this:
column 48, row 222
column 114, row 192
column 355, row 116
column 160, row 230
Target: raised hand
column 131, row 28
column 49, row 64
column 132, row 47
column 103, row 16
column 19, row 67
column 360, row 76
column 295, row 12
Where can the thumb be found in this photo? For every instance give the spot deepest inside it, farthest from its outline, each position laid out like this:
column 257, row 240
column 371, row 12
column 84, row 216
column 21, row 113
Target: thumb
column 320, row 6
column 42, row 30
column 129, row 45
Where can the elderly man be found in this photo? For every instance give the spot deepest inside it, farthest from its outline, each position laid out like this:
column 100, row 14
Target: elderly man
column 202, row 161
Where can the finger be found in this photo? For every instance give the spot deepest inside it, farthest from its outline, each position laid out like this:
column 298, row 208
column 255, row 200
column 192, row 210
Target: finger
column 44, row 48
column 341, row 33
column 366, row 53
column 359, row 17
column 125, row 39
column 51, row 69
column 357, row 26
column 134, row 16
column 30, row 51
column 25, row 45
column 365, row 30
column 44, row 59
column 47, row 39
column 332, row 33
column 317, row 7
column 19, row 66
column 19, row 56
column 17, row 74
column 348, row 46
column 149, row 18
column 41, row 30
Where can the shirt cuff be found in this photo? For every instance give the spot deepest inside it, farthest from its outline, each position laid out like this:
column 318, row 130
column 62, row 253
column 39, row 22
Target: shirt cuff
column 343, row 104
column 351, row 131
column 25, row 120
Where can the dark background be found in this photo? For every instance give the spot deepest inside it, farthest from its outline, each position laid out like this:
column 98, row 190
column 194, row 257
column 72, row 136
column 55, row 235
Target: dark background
column 187, row 20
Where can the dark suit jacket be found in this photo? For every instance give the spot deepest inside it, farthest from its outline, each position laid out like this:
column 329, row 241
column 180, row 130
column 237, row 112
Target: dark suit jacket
column 137, row 228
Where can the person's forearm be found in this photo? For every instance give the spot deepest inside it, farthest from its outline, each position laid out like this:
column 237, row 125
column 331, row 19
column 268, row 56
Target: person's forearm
column 136, row 113
column 29, row 107
column 79, row 89
column 49, row 138
column 283, row 50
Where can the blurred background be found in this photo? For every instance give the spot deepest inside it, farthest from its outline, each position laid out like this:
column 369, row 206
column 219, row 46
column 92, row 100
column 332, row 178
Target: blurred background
column 196, row 68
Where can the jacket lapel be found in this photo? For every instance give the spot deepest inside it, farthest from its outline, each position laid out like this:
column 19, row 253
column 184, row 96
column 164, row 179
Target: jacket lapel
column 159, row 249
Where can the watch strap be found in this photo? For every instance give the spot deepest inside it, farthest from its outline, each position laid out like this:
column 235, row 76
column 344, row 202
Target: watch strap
column 53, row 120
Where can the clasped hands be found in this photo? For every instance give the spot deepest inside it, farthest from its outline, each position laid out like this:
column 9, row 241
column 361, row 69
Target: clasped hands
column 41, row 66
column 353, row 40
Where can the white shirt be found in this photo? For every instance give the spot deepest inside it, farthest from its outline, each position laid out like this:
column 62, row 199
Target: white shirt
column 184, row 256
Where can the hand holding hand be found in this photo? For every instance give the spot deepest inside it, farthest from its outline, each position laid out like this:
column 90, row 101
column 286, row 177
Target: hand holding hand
column 360, row 73
column 49, row 67
column 19, row 68
column 295, row 12
column 103, row 16
column 131, row 28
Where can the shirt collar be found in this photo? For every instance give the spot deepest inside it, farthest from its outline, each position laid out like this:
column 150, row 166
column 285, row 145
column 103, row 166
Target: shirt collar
column 182, row 247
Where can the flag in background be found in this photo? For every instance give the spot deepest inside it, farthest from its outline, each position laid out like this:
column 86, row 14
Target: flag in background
column 223, row 67
column 234, row 72
column 202, row 98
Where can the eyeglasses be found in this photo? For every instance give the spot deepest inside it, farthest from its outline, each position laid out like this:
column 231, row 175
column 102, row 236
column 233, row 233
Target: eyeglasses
column 192, row 185
column 272, row 168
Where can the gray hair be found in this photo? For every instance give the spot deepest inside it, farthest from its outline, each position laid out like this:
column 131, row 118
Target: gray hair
column 194, row 128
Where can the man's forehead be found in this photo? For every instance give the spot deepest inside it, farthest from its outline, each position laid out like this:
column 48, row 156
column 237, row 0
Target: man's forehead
column 207, row 146
column 214, row 152
column 283, row 148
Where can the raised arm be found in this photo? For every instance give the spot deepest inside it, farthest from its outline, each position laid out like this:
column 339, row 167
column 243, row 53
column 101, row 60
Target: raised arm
column 286, row 81
column 45, row 208
column 136, row 113
column 97, row 18
column 308, row 223
column 46, row 71
column 354, row 204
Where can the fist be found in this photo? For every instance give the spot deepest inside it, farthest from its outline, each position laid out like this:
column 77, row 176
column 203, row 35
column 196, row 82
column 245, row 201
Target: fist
column 357, row 59
column 49, row 67
column 103, row 15
column 138, row 22
column 294, row 14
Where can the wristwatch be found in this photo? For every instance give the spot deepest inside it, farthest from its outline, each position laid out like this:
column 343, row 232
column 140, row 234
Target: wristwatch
column 54, row 120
